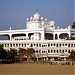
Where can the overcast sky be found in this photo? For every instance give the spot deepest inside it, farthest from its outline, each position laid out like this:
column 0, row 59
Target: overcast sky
column 13, row 13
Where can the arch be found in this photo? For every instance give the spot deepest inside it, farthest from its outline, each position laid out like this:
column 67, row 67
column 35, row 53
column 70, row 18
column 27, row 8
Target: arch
column 48, row 36
column 19, row 36
column 63, row 35
column 29, row 35
column 13, row 35
column 5, row 37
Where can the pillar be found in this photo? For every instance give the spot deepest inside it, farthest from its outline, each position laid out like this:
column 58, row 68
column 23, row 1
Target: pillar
column 10, row 36
column 69, row 35
column 42, row 35
column 53, row 36
column 27, row 36
column 58, row 36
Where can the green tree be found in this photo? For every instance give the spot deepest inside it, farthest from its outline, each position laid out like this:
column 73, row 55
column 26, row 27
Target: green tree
column 21, row 53
column 30, row 53
column 72, row 55
column 11, row 55
column 2, row 53
column 73, row 26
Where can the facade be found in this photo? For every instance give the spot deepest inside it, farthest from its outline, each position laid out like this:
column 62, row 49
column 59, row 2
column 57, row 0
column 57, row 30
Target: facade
column 42, row 35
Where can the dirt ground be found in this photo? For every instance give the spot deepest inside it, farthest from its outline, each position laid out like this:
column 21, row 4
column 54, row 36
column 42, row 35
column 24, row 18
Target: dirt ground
column 36, row 69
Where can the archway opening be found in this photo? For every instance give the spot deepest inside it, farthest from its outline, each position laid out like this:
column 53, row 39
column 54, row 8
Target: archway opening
column 48, row 36
column 63, row 36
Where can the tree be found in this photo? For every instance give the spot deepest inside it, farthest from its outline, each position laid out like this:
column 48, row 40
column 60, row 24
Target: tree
column 73, row 26
column 70, row 38
column 72, row 55
column 30, row 53
column 22, row 53
column 11, row 55
column 2, row 53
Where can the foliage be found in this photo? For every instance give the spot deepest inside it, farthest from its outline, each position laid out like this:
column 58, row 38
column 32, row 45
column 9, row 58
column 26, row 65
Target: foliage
column 30, row 52
column 26, row 53
column 70, row 38
column 21, row 53
column 2, row 53
column 72, row 55
column 11, row 55
column 73, row 26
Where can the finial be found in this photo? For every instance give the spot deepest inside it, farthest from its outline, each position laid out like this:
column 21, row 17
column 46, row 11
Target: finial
column 36, row 9
column 10, row 28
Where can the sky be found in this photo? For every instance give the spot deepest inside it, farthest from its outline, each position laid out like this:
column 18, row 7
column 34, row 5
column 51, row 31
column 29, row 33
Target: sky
column 13, row 13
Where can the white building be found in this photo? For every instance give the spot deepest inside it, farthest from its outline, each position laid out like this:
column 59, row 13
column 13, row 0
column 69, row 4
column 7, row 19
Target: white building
column 41, row 35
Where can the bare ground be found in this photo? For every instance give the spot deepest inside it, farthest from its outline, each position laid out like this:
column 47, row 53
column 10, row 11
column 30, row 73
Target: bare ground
column 36, row 69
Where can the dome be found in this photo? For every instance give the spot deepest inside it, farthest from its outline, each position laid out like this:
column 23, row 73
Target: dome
column 27, row 19
column 52, row 22
column 31, row 18
column 45, row 19
column 42, row 18
column 36, row 16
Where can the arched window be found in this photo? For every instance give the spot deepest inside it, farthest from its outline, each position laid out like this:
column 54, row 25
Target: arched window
column 36, row 45
column 48, row 51
column 16, row 45
column 8, row 45
column 57, row 51
column 54, row 51
column 31, row 45
column 60, row 51
column 57, row 45
column 68, row 45
column 39, row 45
column 68, row 51
column 54, row 44
column 63, row 51
column 22, row 45
column 11, row 45
column 36, row 51
column 65, row 44
column 71, row 45
column 74, row 45
column 5, row 45
column 51, row 44
column 51, row 51
column 44, row 51
column 25, row 45
column 48, row 45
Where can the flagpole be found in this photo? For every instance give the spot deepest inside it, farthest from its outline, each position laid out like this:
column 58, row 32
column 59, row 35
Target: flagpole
column 68, row 12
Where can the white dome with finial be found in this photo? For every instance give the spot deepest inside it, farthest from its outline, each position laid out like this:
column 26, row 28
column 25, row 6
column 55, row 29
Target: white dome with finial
column 36, row 16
